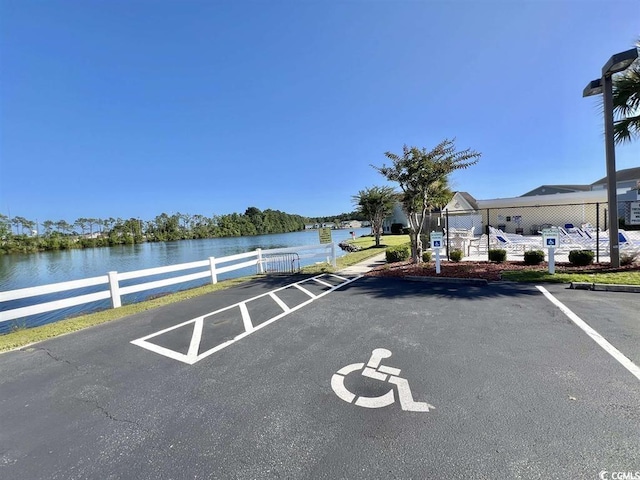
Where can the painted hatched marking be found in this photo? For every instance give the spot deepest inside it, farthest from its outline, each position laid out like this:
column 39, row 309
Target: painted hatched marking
column 339, row 277
column 321, row 282
column 283, row 305
column 201, row 323
column 302, row 289
column 196, row 338
column 246, row 318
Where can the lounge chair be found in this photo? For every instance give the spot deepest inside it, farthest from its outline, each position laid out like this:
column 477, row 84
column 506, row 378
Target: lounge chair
column 512, row 242
column 628, row 244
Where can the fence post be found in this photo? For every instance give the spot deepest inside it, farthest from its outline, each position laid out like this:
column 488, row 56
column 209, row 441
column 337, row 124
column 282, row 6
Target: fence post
column 212, row 266
column 446, row 214
column 488, row 233
column 597, row 233
column 260, row 266
column 115, row 290
column 333, row 254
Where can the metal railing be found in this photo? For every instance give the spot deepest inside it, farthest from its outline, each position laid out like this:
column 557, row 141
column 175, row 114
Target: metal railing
column 281, row 263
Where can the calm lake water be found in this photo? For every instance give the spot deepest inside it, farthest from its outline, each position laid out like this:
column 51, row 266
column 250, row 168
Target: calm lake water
column 30, row 270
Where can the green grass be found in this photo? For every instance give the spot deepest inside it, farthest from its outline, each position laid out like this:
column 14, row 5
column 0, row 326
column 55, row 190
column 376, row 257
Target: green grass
column 367, row 244
column 25, row 336
column 385, row 241
column 621, row 278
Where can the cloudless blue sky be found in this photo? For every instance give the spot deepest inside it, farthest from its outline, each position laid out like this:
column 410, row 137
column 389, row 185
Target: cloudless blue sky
column 131, row 108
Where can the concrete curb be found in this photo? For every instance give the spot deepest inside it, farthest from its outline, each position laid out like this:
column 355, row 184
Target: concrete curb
column 605, row 287
column 464, row 281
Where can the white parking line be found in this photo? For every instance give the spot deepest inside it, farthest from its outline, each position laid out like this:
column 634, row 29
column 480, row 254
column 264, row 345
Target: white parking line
column 285, row 308
column 595, row 336
column 196, row 337
column 192, row 355
column 326, row 284
column 302, row 289
column 246, row 318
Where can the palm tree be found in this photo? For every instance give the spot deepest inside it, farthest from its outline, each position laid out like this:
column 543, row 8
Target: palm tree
column 626, row 103
column 439, row 195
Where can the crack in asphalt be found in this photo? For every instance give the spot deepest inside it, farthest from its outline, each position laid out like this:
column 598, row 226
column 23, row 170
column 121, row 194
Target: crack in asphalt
column 52, row 356
column 97, row 405
column 107, row 414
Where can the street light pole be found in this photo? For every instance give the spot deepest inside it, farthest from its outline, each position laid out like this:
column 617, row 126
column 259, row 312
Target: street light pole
column 612, row 187
column 617, row 63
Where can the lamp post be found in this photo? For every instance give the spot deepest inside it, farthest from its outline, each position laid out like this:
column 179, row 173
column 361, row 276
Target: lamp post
column 617, row 63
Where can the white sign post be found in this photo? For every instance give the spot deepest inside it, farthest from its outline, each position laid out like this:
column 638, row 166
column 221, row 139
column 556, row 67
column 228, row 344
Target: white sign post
column 436, row 244
column 550, row 240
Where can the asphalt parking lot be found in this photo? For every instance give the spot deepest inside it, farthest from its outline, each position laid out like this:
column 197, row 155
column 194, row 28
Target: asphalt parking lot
column 487, row 382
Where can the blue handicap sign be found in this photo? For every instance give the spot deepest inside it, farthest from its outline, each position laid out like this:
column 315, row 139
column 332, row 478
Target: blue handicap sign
column 551, row 242
column 436, row 243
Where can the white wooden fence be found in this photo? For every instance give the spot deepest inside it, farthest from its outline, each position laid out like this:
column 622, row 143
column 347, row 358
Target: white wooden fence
column 212, row 267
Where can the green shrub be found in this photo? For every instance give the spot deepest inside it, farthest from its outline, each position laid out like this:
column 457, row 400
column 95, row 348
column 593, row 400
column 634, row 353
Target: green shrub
column 581, row 258
column 426, row 256
column 533, row 257
column 455, row 255
column 497, row 255
column 628, row 258
column 398, row 253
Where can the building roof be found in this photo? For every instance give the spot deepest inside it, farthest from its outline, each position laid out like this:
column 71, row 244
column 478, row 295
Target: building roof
column 557, row 189
column 626, row 175
column 460, row 202
column 469, row 199
column 538, row 200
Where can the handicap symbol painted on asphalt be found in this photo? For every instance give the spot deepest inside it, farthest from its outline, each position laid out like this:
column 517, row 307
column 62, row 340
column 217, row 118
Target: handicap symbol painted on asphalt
column 374, row 370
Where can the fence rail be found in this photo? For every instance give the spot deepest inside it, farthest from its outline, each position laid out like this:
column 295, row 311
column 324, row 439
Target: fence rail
column 115, row 290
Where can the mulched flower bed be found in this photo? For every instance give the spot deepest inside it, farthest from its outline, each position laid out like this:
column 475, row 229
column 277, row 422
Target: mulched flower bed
column 490, row 271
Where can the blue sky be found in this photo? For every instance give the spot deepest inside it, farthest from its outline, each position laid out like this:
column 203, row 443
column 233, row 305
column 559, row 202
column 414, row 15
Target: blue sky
column 131, row 108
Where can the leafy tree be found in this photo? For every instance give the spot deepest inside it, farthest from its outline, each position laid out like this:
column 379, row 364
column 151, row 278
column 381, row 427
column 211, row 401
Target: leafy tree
column 90, row 223
column 63, row 226
column 5, row 227
column 376, row 203
column 16, row 222
column 419, row 172
column 28, row 225
column 48, row 226
column 626, row 103
column 355, row 215
column 82, row 224
column 24, row 224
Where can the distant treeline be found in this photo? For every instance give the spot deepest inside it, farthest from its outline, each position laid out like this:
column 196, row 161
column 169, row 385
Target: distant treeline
column 343, row 217
column 19, row 234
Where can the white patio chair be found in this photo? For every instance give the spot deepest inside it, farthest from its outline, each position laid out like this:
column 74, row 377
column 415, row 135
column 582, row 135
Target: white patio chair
column 627, row 243
column 512, row 242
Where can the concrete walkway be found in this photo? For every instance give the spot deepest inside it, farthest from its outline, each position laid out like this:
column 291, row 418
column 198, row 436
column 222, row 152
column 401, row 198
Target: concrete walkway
column 365, row 265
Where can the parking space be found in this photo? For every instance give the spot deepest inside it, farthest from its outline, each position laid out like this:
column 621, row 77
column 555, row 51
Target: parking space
column 381, row 378
column 615, row 315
